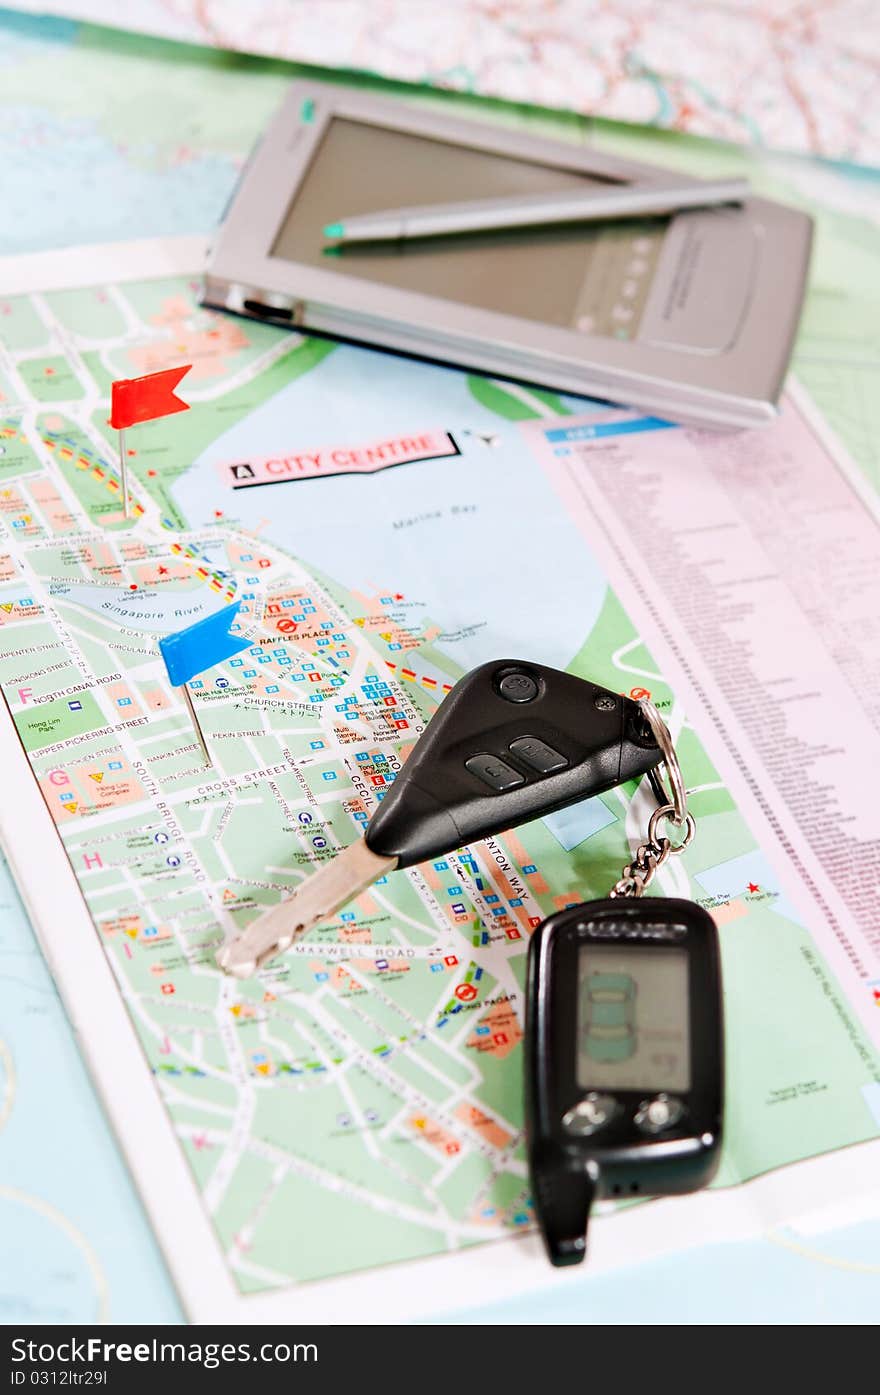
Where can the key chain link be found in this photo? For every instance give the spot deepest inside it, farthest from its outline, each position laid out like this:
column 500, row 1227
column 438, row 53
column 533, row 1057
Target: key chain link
column 658, row 848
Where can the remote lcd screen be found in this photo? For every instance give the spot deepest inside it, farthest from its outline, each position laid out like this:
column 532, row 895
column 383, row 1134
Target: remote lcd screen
column 633, row 1021
column 593, row 280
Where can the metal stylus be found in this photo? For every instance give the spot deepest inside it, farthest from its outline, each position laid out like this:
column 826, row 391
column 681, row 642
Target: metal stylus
column 532, row 210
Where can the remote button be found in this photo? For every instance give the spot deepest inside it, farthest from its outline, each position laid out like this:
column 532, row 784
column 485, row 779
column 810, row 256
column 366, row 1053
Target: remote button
column 662, row 1112
column 589, row 1114
column 518, row 687
column 494, row 772
column 537, row 755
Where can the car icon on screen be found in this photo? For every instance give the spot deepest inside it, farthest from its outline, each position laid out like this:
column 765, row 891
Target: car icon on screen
column 608, row 1017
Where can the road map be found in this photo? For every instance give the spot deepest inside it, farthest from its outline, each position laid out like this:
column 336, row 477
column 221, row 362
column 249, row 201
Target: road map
column 114, row 163
column 788, row 75
column 360, row 1102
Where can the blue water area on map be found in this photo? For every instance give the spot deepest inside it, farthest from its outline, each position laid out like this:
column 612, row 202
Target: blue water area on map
column 833, row 1277
column 91, row 188
column 571, row 826
column 99, row 196
column 464, row 538
column 734, row 877
column 169, row 611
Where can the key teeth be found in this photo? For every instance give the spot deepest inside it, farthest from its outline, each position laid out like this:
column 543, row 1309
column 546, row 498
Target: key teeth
column 227, row 961
column 279, row 947
column 230, row 963
column 316, row 900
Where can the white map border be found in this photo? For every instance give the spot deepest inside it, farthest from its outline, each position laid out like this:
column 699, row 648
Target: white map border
column 845, row 1181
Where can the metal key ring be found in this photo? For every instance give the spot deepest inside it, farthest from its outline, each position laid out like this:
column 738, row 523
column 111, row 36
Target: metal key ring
column 663, row 737
column 667, row 848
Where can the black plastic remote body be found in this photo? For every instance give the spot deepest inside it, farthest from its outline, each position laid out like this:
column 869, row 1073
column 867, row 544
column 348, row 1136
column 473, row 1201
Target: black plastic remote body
column 513, row 740
column 624, row 1059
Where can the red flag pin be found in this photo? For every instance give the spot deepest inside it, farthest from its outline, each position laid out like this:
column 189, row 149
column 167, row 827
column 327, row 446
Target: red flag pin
column 133, row 400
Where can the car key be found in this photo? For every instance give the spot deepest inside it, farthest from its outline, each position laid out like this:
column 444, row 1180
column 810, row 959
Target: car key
column 512, row 741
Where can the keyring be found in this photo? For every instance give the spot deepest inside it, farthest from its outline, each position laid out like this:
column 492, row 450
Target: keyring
column 663, row 737
column 656, row 839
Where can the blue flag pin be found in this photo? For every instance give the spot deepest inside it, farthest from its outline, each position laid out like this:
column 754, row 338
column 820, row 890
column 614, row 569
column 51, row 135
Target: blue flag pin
column 202, row 645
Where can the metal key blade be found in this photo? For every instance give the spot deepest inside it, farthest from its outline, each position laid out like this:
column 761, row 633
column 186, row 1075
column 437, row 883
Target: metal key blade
column 318, row 898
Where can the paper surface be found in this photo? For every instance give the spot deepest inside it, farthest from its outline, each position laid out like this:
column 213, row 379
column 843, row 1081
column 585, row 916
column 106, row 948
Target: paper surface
column 388, row 1041
column 779, row 74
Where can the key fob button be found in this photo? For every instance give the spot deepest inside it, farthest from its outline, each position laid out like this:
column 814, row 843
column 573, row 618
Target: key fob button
column 537, row 755
column 518, row 687
column 662, row 1112
column 589, row 1114
column 495, row 773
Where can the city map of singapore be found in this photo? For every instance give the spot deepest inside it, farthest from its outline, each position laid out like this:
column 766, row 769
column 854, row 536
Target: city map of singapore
column 385, row 526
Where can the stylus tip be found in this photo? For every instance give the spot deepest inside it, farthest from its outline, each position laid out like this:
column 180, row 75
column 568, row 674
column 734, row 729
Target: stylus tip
column 334, row 230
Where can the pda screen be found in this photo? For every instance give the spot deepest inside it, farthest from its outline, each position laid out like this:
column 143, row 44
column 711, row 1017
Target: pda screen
column 596, row 281
column 633, row 1019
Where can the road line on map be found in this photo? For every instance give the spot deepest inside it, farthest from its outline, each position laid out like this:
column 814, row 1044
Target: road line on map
column 9, row 1084
column 51, row 1213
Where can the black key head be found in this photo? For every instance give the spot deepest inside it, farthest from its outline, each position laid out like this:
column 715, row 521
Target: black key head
column 512, row 741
